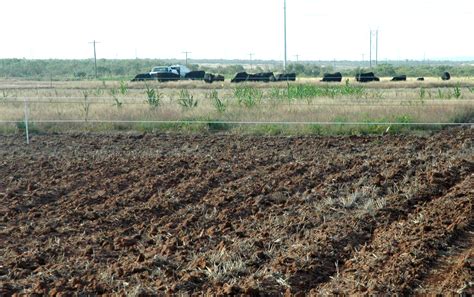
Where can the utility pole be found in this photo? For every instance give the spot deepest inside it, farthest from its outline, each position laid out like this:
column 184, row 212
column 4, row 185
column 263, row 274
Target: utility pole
column 370, row 50
column 372, row 33
column 95, row 57
column 377, row 47
column 251, row 65
column 297, row 58
column 186, row 53
column 284, row 12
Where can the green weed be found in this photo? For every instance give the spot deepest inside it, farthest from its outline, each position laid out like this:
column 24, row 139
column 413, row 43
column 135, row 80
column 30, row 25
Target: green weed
column 422, row 93
column 114, row 94
column 186, row 100
column 305, row 91
column 153, row 98
column 32, row 128
column 216, row 126
column 86, row 105
column 98, row 92
column 218, row 103
column 457, row 91
column 5, row 94
column 248, row 96
column 123, row 88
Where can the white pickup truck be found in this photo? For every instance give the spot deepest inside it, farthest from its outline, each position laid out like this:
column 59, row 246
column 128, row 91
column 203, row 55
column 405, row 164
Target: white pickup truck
column 175, row 69
column 170, row 73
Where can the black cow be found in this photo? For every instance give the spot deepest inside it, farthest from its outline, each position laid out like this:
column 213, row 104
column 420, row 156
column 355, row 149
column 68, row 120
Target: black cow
column 167, row 76
column 286, row 77
column 332, row 77
column 240, row 77
column 261, row 77
column 195, row 75
column 142, row 77
column 446, row 76
column 420, row 79
column 219, row 78
column 399, row 78
column 210, row 78
column 366, row 77
column 257, row 77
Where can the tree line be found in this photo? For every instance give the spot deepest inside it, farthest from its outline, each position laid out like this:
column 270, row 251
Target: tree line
column 127, row 69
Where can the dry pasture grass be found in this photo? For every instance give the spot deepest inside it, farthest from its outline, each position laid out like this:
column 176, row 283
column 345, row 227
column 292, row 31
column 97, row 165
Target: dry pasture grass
column 383, row 101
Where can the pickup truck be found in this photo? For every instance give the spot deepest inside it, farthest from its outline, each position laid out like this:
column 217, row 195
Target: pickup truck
column 170, row 73
column 174, row 69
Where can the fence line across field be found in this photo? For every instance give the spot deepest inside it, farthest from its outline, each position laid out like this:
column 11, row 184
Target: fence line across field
column 287, row 123
column 362, row 102
column 27, row 120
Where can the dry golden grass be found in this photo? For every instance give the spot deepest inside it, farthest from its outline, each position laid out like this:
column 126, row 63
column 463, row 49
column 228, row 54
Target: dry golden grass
column 431, row 101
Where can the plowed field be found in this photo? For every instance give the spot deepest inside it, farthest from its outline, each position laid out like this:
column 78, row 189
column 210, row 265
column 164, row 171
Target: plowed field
column 225, row 214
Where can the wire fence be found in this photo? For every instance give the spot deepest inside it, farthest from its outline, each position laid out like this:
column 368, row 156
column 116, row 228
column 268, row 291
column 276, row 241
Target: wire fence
column 286, row 123
column 29, row 120
column 270, row 101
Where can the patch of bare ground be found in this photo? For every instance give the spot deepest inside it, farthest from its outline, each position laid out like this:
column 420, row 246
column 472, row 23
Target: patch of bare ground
column 225, row 214
column 453, row 271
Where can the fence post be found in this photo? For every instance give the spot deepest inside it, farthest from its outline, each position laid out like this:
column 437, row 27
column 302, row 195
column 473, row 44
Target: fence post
column 26, row 122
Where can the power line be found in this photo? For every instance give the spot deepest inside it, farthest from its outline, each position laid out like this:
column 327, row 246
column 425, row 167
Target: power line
column 251, row 64
column 377, row 47
column 370, row 50
column 376, row 33
column 186, row 53
column 95, row 57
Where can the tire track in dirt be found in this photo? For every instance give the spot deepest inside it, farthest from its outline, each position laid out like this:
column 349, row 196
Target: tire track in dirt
column 401, row 252
column 452, row 272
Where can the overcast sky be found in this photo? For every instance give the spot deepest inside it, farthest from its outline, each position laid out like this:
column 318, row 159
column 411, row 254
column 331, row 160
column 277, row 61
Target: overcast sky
column 317, row 29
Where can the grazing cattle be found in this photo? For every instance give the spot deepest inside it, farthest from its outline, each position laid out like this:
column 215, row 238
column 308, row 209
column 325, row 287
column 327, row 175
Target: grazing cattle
column 258, row 77
column 420, row 79
column 261, row 77
column 399, row 78
column 366, row 77
column 219, row 78
column 195, row 75
column 142, row 77
column 240, row 77
column 446, row 76
column 286, row 77
column 332, row 77
column 210, row 78
column 167, row 76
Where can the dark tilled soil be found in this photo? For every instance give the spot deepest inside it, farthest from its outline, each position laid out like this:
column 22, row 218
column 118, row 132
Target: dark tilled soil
column 224, row 214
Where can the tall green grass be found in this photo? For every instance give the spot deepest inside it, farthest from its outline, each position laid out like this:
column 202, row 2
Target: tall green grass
column 306, row 91
column 248, row 96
